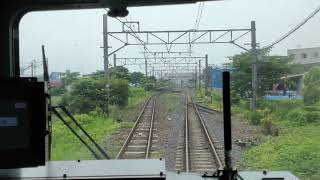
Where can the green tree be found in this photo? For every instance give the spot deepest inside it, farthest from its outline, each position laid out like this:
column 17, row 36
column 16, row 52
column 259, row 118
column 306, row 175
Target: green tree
column 270, row 71
column 150, row 83
column 311, row 89
column 90, row 93
column 136, row 77
column 206, row 78
column 67, row 78
column 119, row 92
column 87, row 94
column 119, row 72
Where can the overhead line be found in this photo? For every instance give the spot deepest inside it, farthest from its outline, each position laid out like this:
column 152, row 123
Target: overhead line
column 295, row 28
column 197, row 22
column 137, row 38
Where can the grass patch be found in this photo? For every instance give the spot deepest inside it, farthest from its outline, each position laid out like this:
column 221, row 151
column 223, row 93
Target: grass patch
column 213, row 102
column 56, row 100
column 136, row 97
column 170, row 99
column 67, row 147
column 296, row 151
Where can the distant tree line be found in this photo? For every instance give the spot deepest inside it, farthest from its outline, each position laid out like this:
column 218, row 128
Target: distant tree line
column 98, row 90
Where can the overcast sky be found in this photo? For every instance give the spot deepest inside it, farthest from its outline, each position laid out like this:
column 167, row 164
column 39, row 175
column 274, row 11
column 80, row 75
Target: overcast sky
column 73, row 38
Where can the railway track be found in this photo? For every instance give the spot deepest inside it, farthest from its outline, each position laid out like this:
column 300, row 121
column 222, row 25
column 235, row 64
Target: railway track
column 205, row 109
column 196, row 150
column 142, row 140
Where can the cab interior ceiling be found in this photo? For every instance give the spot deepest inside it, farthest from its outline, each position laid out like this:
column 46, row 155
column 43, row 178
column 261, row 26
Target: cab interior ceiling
column 82, row 4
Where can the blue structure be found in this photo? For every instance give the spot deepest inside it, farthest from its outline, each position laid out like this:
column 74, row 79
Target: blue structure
column 280, row 97
column 55, row 76
column 217, row 76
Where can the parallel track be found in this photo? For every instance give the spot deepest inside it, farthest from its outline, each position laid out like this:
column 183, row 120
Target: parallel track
column 196, row 151
column 205, row 109
column 142, row 139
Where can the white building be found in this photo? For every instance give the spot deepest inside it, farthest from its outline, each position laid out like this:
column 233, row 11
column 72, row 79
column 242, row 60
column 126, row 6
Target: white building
column 305, row 55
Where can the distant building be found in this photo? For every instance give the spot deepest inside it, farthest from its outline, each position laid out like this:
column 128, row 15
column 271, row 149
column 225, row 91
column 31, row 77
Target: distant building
column 217, row 76
column 308, row 57
column 305, row 55
column 55, row 79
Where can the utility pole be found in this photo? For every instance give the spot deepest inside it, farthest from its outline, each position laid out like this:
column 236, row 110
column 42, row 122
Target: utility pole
column 114, row 60
column 195, row 77
column 32, row 66
column 207, row 77
column 105, row 43
column 146, row 67
column 45, row 65
column 210, row 83
column 254, row 65
column 200, row 77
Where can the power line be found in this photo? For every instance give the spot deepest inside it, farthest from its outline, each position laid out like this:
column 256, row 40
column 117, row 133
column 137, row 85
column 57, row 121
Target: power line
column 136, row 35
column 295, row 28
column 197, row 23
column 137, row 38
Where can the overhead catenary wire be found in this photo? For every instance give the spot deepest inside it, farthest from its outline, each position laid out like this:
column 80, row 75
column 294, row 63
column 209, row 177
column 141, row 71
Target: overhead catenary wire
column 197, row 23
column 137, row 38
column 133, row 29
column 303, row 22
column 141, row 42
column 133, row 33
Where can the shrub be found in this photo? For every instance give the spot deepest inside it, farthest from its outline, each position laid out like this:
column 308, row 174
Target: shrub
column 86, row 94
column 84, row 119
column 311, row 90
column 56, row 91
column 149, row 86
column 268, row 126
column 303, row 115
column 255, row 117
column 235, row 98
column 243, row 104
column 119, row 92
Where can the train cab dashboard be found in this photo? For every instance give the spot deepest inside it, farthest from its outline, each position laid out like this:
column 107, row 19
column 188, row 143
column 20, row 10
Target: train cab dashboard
column 125, row 169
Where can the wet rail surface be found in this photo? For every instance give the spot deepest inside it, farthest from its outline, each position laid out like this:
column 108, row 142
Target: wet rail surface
column 142, row 140
column 197, row 151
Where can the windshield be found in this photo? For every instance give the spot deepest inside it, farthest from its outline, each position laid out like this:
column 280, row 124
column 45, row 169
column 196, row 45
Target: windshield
column 149, row 85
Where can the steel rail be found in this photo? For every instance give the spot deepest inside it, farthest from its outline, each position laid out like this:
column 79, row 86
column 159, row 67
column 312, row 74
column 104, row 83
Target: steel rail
column 151, row 128
column 133, row 128
column 206, row 109
column 186, row 136
column 213, row 149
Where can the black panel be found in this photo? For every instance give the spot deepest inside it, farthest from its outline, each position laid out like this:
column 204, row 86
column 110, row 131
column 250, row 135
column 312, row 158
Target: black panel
column 22, row 123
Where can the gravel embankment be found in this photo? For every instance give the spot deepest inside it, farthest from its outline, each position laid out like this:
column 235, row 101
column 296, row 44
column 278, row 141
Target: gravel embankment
column 170, row 115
